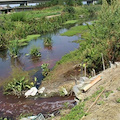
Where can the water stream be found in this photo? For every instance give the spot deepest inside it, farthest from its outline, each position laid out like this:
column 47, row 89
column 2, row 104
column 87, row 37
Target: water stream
column 11, row 105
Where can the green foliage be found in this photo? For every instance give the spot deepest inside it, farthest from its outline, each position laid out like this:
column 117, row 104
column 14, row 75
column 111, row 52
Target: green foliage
column 45, row 69
column 97, row 93
column 47, row 41
column 118, row 100
column 76, row 30
column 19, row 16
column 106, row 29
column 71, row 22
column 69, row 9
column 25, row 41
column 35, row 51
column 76, row 113
column 118, row 88
column 100, row 103
column 3, row 42
column 13, row 48
column 17, row 82
column 93, row 10
column 79, row 2
column 99, row 2
column 70, row 2
column 66, row 105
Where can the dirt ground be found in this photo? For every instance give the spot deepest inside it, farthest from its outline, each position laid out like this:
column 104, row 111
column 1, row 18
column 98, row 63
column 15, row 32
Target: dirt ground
column 107, row 107
column 62, row 76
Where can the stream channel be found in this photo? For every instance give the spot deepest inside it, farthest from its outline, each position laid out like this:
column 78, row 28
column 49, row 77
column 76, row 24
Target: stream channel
column 11, row 106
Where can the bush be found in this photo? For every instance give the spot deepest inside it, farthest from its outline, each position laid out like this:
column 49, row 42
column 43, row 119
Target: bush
column 69, row 9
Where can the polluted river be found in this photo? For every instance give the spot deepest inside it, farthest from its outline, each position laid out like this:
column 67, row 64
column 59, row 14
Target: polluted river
column 11, row 106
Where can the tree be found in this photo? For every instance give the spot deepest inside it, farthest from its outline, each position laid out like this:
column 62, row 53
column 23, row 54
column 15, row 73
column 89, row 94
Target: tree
column 79, row 2
column 106, row 29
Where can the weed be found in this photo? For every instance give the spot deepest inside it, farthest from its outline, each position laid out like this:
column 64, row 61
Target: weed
column 35, row 51
column 97, row 93
column 13, row 48
column 69, row 9
column 19, row 16
column 107, row 93
column 100, row 102
column 118, row 100
column 47, row 41
column 66, row 105
column 118, row 88
column 17, row 82
column 76, row 113
column 45, row 69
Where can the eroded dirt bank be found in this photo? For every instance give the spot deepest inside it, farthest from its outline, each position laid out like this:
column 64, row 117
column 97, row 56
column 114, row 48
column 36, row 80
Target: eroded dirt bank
column 107, row 106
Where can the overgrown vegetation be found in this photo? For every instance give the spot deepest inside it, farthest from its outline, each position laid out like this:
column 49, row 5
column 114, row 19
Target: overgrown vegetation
column 13, row 48
column 18, row 26
column 17, row 83
column 76, row 113
column 20, row 16
column 100, row 37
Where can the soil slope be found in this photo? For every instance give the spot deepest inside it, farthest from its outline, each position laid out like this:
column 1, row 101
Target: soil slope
column 108, row 106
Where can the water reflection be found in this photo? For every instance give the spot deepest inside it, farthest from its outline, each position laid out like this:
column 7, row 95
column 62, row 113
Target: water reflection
column 17, row 62
column 3, row 55
column 48, row 47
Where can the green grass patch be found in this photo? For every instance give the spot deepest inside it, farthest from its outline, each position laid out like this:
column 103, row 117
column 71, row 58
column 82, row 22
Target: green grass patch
column 76, row 30
column 76, row 113
column 71, row 22
column 24, row 42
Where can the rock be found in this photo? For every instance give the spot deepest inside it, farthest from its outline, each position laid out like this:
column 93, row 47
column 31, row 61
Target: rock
column 31, row 92
column 41, row 90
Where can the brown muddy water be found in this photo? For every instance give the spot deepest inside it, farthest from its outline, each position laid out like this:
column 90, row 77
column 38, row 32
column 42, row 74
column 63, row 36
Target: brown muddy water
column 11, row 106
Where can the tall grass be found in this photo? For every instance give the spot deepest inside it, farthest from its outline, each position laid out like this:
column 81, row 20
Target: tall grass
column 19, row 16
